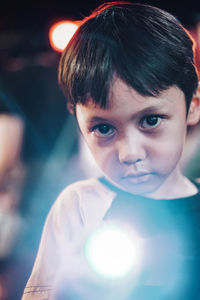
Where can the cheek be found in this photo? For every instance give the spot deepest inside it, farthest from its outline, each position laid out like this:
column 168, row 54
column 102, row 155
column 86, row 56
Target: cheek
column 166, row 153
column 105, row 157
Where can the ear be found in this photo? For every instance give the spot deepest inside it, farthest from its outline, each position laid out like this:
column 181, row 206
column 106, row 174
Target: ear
column 194, row 110
column 70, row 108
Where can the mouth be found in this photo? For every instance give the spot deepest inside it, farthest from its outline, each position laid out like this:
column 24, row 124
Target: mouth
column 137, row 178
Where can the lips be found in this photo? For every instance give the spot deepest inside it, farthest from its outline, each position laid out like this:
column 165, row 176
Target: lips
column 137, row 177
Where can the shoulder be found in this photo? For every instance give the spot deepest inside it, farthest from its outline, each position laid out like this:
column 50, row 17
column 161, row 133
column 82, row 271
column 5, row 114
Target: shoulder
column 84, row 192
column 86, row 200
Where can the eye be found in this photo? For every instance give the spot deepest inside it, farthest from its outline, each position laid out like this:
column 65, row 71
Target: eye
column 151, row 121
column 103, row 130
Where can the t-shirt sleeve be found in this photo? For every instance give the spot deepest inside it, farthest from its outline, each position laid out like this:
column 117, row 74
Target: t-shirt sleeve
column 63, row 219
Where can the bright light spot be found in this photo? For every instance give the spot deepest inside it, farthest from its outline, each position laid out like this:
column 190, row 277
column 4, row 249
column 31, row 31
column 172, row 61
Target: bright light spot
column 112, row 252
column 61, row 33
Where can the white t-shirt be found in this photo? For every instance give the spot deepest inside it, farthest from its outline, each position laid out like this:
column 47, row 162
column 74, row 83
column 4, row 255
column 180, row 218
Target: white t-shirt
column 78, row 210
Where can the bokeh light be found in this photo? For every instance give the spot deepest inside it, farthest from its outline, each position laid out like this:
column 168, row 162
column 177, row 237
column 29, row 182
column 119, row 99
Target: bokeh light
column 61, row 33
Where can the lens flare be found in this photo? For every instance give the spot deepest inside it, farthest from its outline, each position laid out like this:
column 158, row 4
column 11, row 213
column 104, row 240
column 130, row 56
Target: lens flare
column 112, row 252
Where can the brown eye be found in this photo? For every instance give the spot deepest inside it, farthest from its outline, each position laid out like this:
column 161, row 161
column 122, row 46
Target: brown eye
column 151, row 121
column 103, row 130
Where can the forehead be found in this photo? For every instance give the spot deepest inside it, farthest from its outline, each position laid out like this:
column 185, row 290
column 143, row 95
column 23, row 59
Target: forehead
column 123, row 99
column 121, row 93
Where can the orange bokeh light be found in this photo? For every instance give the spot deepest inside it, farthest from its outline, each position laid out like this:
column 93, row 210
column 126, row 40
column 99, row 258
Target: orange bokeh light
column 61, row 33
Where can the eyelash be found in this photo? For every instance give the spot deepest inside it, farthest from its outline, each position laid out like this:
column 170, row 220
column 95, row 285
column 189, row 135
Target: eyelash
column 96, row 128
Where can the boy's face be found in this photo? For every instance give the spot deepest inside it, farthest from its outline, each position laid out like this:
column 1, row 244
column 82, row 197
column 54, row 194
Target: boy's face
column 138, row 141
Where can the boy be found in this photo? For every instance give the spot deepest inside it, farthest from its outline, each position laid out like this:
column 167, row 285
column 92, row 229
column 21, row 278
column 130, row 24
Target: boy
column 129, row 78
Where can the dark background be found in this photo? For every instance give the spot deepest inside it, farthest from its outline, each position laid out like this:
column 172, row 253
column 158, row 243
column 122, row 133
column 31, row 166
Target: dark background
column 26, row 24
column 17, row 14
column 28, row 88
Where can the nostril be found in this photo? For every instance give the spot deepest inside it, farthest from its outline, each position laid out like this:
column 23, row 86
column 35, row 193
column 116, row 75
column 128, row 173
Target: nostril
column 131, row 161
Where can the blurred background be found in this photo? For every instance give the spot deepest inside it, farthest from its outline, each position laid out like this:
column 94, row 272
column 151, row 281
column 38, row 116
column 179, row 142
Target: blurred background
column 40, row 148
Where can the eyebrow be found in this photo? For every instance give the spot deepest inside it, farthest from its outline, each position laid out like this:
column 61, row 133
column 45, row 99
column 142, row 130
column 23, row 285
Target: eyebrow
column 153, row 109
column 97, row 119
column 148, row 110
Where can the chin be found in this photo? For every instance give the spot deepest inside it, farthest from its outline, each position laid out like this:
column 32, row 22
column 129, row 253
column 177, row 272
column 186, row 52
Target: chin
column 143, row 189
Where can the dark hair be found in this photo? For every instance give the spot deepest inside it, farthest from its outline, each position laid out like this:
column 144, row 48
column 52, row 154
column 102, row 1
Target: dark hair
column 143, row 45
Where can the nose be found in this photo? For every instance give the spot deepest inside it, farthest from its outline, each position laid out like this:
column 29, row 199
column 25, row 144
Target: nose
column 131, row 149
